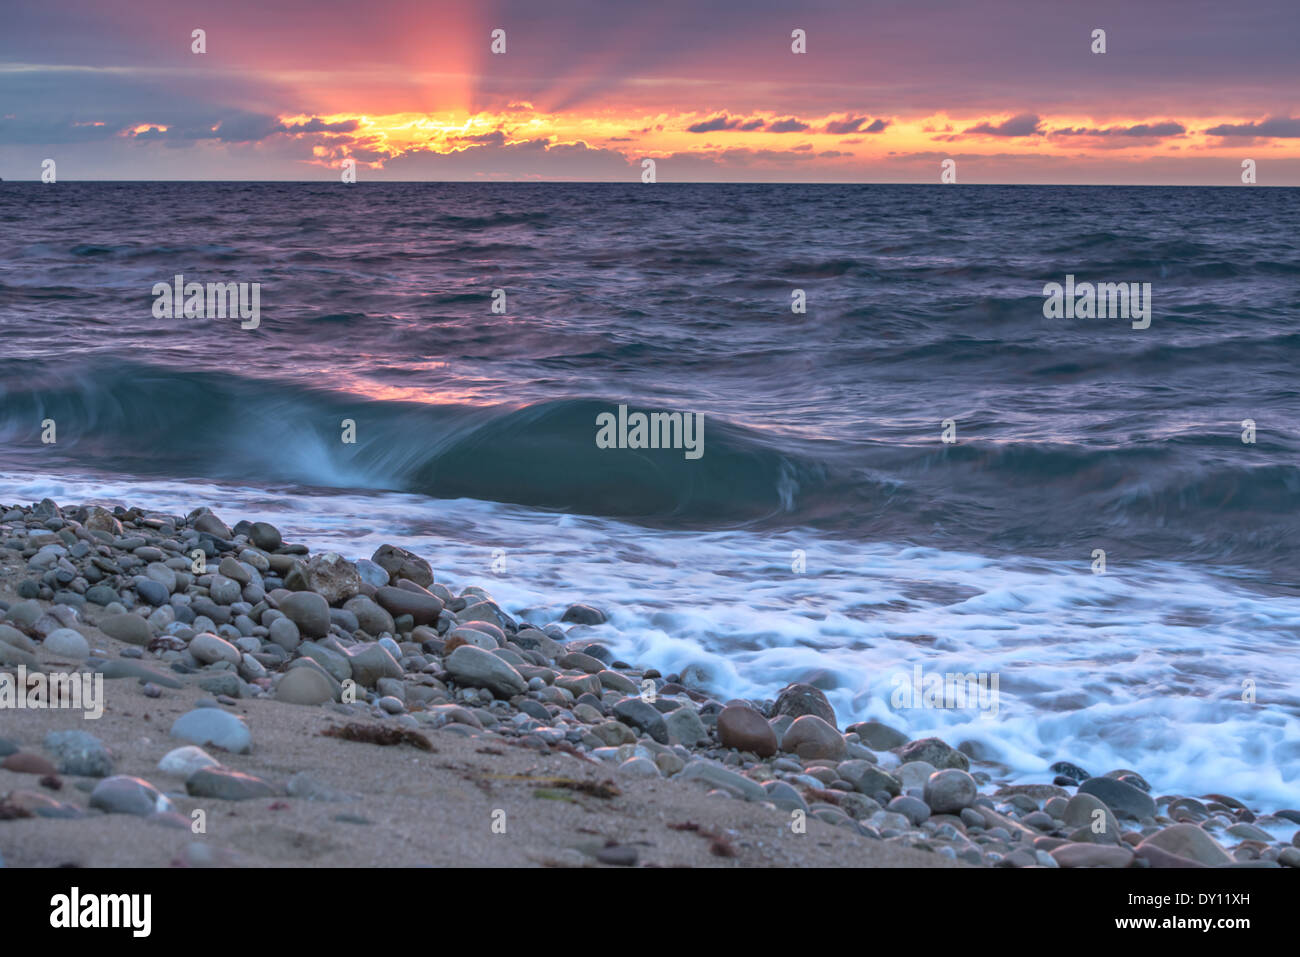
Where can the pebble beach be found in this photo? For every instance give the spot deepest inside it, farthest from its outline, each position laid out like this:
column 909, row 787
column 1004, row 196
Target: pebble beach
column 266, row 705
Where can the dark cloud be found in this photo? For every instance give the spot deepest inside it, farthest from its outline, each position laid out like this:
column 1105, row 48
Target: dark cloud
column 854, row 125
column 247, row 128
column 1140, row 130
column 317, row 125
column 788, row 125
column 712, row 125
column 724, row 122
column 55, row 131
column 851, row 125
column 1282, row 127
column 1025, row 124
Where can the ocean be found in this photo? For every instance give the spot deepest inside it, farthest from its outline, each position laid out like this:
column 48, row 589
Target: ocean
column 827, row 532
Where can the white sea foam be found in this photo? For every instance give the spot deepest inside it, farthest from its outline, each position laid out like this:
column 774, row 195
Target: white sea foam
column 1143, row 667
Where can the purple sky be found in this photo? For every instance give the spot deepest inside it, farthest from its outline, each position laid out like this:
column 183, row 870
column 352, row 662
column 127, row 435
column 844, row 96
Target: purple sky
column 1012, row 91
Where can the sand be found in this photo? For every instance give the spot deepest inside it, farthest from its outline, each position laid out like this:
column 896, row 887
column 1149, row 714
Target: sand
column 423, row 809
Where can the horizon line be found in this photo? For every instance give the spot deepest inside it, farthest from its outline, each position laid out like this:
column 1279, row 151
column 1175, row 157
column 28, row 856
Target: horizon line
column 605, row 182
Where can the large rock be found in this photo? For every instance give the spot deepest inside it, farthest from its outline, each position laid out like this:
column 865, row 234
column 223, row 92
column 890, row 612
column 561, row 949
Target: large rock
column 132, row 629
column 917, row 812
column 11, row 657
column 79, row 754
column 16, row 639
column 371, row 574
column 67, row 643
column 371, row 662
column 222, row 590
column 868, row 778
column 784, row 796
column 1123, row 799
column 488, row 611
column 336, row 665
column 1071, row 771
column 683, row 724
column 1187, row 840
column 265, row 536
column 745, row 729
column 309, row 611
column 226, row 785
column 1093, row 855
column 1087, row 810
column 879, row 736
column 25, row 614
column 209, row 649
column 535, row 640
column 102, row 520
column 151, row 591
column 797, row 700
column 580, row 662
column 399, row 563
column 813, row 739
column 717, row 776
column 936, row 752
column 421, row 606
column 643, row 717
column 304, row 686
column 470, row 636
column 211, row 726
column 914, row 774
column 328, row 574
column 128, row 795
column 482, row 669
column 284, row 633
column 583, row 615
column 950, row 790
column 371, row 616
column 184, row 761
column 620, row 683
column 204, row 520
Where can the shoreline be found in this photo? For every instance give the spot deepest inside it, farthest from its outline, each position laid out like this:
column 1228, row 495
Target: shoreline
column 516, row 728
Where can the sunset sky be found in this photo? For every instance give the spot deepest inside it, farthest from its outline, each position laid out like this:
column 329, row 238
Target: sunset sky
column 711, row 90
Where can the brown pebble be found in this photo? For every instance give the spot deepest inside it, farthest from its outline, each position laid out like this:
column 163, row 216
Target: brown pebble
column 744, row 729
column 52, row 781
column 24, row 762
